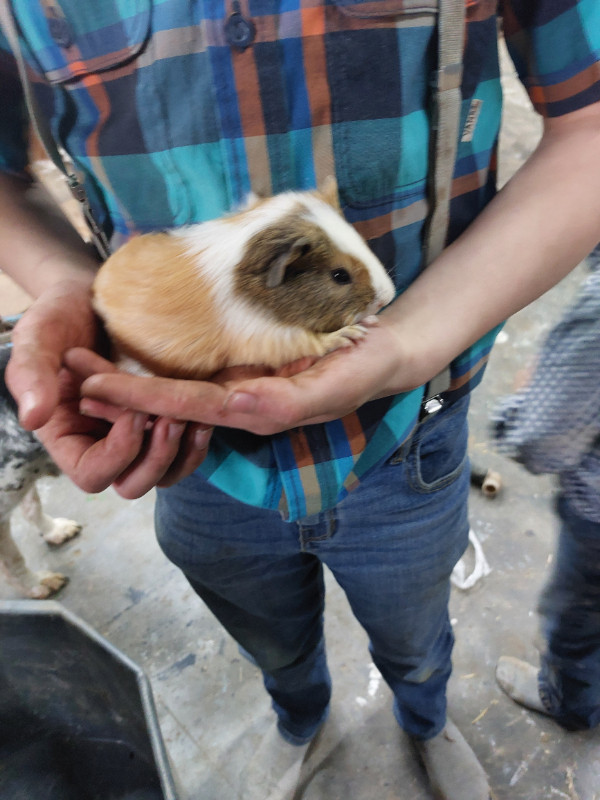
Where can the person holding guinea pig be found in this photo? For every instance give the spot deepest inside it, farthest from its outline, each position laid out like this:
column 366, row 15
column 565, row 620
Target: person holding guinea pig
column 172, row 114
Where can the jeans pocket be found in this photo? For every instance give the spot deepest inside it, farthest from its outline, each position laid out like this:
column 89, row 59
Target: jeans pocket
column 438, row 453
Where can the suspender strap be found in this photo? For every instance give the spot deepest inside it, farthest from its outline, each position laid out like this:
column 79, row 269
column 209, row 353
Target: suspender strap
column 446, row 117
column 42, row 129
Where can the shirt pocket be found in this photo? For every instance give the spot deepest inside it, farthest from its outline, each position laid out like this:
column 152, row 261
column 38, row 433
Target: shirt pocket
column 72, row 39
column 380, row 57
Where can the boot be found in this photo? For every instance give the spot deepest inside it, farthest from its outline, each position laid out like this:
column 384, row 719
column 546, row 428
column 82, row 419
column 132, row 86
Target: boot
column 520, row 682
column 452, row 767
column 274, row 771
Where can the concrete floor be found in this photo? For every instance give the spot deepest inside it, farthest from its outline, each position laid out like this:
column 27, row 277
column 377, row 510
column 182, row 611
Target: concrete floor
column 211, row 704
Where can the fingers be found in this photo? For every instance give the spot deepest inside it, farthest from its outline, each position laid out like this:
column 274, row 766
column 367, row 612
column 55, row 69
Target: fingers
column 200, row 401
column 99, row 410
column 240, row 373
column 48, row 328
column 294, row 367
column 286, row 403
column 86, row 362
column 192, row 452
column 135, row 454
column 261, row 405
column 303, row 394
column 173, row 451
column 32, row 372
column 32, row 380
column 196, row 401
column 127, row 454
column 93, row 455
column 328, row 389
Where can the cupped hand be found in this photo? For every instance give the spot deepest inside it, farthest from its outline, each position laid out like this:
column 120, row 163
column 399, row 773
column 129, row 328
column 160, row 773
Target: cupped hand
column 107, row 446
column 130, row 453
column 265, row 404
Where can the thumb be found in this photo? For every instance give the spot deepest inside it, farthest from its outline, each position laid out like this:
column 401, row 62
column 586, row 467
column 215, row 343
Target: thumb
column 33, row 367
column 58, row 319
column 32, row 379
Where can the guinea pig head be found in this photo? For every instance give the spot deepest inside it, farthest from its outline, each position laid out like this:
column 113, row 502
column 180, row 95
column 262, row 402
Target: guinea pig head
column 311, row 269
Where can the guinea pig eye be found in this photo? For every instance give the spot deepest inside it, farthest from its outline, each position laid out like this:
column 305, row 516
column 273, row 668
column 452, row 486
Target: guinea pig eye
column 341, row 275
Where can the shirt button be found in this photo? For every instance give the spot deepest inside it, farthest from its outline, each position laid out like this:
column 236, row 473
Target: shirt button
column 60, row 31
column 239, row 31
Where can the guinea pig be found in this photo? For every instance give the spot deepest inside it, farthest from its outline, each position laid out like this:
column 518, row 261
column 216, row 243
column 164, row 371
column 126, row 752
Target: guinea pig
column 283, row 278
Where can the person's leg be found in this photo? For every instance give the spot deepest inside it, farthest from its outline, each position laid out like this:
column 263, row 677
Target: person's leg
column 570, row 610
column 567, row 685
column 392, row 546
column 397, row 539
column 246, row 565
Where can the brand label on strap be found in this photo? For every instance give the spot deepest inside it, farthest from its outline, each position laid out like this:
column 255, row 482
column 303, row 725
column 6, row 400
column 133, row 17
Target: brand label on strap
column 471, row 123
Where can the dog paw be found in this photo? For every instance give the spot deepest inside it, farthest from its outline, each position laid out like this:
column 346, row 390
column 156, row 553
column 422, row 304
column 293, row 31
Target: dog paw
column 62, row 530
column 49, row 583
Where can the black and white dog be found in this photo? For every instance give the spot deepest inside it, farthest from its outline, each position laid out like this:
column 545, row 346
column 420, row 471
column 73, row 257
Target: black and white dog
column 23, row 460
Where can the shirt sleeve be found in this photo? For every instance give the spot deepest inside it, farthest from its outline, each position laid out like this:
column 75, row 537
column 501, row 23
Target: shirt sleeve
column 13, row 119
column 552, row 423
column 555, row 46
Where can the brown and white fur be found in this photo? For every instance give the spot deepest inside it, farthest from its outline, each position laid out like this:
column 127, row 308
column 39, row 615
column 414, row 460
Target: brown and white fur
column 23, row 460
column 283, row 278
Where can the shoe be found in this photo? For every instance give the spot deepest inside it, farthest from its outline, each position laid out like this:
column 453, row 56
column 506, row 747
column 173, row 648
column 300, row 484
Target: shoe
column 274, row 772
column 452, row 767
column 520, row 682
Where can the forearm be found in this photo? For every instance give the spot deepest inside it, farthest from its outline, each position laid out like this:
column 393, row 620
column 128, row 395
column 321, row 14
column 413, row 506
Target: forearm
column 538, row 228
column 39, row 248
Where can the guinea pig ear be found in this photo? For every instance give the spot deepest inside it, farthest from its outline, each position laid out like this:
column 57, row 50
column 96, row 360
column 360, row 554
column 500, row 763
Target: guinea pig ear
column 329, row 192
column 277, row 268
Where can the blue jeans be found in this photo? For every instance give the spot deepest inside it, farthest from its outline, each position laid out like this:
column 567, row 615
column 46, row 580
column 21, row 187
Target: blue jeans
column 569, row 678
column 391, row 545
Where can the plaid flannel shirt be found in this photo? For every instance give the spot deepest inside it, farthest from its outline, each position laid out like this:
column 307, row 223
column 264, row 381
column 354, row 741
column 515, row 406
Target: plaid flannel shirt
column 173, row 110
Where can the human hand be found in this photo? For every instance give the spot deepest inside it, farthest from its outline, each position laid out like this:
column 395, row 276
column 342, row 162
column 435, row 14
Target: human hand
column 61, row 318
column 330, row 388
column 131, row 454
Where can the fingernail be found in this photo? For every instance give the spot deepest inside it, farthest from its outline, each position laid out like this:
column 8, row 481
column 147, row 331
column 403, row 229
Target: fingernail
column 85, row 408
column 27, row 403
column 139, row 422
column 175, row 430
column 241, row 402
column 202, row 438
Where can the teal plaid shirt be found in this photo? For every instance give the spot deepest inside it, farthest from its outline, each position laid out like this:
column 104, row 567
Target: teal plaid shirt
column 173, row 110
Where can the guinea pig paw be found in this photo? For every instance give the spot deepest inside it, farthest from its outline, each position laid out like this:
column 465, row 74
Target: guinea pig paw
column 370, row 321
column 354, row 332
column 344, row 337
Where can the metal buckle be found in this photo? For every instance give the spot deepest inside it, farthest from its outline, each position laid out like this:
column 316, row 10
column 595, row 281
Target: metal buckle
column 430, row 406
